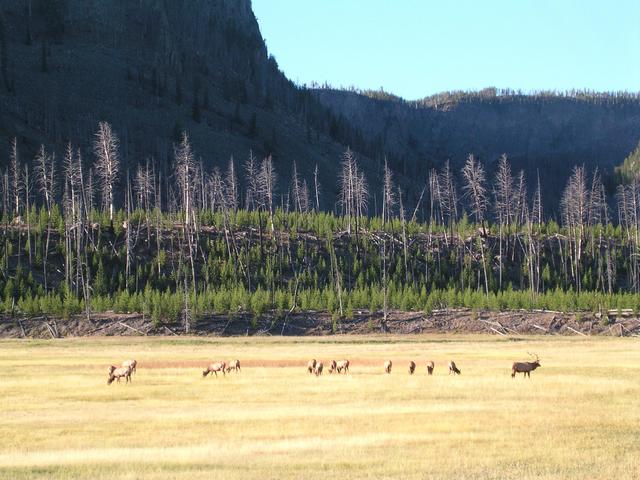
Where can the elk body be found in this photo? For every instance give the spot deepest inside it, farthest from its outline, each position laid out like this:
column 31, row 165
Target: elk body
column 311, row 366
column 524, row 367
column 387, row 366
column 215, row 368
column 412, row 367
column 333, row 366
column 453, row 368
column 318, row 369
column 343, row 366
column 430, row 367
column 131, row 363
column 116, row 373
column 233, row 365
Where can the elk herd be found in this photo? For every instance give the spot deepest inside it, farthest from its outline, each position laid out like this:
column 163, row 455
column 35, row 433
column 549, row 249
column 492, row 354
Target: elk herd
column 316, row 367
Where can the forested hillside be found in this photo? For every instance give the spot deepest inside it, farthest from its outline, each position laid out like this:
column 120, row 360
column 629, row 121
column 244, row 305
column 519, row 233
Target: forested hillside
column 208, row 245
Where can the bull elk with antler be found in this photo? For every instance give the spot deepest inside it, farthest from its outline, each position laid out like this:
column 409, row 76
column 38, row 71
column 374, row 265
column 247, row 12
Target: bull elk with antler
column 525, row 367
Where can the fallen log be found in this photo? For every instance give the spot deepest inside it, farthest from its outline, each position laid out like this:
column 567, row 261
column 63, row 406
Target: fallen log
column 131, row 328
column 498, row 331
column 50, row 330
column 576, row 331
column 170, row 331
column 540, row 328
column 21, row 328
column 507, row 328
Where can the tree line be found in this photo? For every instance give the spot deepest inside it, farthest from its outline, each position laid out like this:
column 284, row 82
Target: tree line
column 80, row 235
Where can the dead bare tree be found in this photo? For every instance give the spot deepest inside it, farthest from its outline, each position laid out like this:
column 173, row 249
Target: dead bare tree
column 574, row 204
column 231, row 187
column 144, row 187
column 27, row 210
column 388, row 194
column 266, row 188
column 316, row 185
column 105, row 147
column 447, row 196
column 17, row 182
column 475, row 191
column 296, row 188
column 305, row 202
column 45, row 177
column 347, row 186
column 521, row 209
column 354, row 193
column 536, row 208
column 503, row 202
column 251, row 168
column 186, row 180
column 45, row 180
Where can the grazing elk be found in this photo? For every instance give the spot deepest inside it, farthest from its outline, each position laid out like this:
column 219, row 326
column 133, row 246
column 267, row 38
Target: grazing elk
column 131, row 363
column 387, row 366
column 525, row 367
column 311, row 366
column 318, row 369
column 453, row 368
column 234, row 365
column 333, row 366
column 343, row 366
column 430, row 367
column 215, row 368
column 412, row 367
column 116, row 373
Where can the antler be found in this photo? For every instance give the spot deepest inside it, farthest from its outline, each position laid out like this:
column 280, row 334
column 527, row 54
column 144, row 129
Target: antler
column 534, row 355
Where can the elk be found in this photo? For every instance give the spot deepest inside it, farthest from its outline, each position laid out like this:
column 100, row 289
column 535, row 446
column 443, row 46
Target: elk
column 343, row 366
column 131, row 363
column 311, row 366
column 412, row 367
column 214, row 368
column 116, row 373
column 453, row 368
column 430, row 367
column 318, row 369
column 525, row 367
column 234, row 365
column 333, row 366
column 387, row 366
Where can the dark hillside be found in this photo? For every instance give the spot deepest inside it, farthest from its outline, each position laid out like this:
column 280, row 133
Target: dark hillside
column 153, row 68
column 548, row 133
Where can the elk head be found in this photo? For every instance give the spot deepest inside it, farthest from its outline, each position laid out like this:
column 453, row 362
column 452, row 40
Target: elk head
column 536, row 360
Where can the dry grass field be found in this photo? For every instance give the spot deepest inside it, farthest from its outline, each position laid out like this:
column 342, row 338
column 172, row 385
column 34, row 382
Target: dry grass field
column 578, row 417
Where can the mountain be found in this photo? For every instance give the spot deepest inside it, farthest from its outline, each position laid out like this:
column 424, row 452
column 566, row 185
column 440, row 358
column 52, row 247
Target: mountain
column 153, row 68
column 544, row 133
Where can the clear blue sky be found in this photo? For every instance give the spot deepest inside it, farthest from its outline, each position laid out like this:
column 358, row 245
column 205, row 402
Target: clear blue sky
column 416, row 48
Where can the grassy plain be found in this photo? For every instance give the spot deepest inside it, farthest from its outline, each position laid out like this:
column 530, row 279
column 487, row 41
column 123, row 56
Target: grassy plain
column 578, row 417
